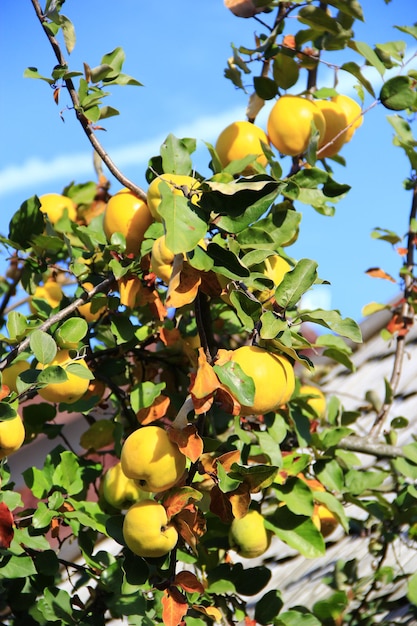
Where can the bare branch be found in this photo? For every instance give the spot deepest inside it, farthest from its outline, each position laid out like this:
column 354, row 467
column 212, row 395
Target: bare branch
column 374, row 448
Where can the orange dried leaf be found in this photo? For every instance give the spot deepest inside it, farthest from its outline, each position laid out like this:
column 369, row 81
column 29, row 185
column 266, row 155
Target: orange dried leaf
column 205, row 381
column 377, row 272
column 154, row 412
column 188, row 441
column 289, row 42
column 228, row 458
column 169, row 336
column 211, row 611
column 402, row 251
column 183, row 286
column 178, row 499
column 190, row 524
column 227, row 402
column 188, row 582
column 174, row 606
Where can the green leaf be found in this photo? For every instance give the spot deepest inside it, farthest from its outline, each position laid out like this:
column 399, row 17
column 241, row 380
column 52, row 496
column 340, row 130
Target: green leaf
column 412, row 588
column 32, row 72
column 296, row 618
column 349, row 7
column 79, row 370
column 318, row 19
column 271, row 325
column 39, row 481
column 7, row 411
column 175, row 155
column 69, row 33
column 346, row 327
column 266, row 88
column 67, row 474
column 16, row 325
column 295, row 283
column 410, row 30
column 359, row 481
column 330, row 474
column 268, row 607
column 97, row 74
column 270, row 447
column 297, row 496
column 256, row 476
column 27, row 222
column 240, row 385
column 298, row 532
column 227, row 483
column 370, row 55
column 18, row 566
column 143, row 395
column 43, row 346
column 70, row 332
column 184, row 227
column 53, row 374
column 285, row 70
column 115, row 59
column 398, row 93
column 226, row 262
column 54, row 606
column 250, row 581
column 355, row 70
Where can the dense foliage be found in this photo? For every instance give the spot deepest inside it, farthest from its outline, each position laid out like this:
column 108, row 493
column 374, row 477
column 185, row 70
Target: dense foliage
column 181, row 308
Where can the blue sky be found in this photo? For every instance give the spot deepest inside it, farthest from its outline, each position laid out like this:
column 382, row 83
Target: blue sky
column 179, row 51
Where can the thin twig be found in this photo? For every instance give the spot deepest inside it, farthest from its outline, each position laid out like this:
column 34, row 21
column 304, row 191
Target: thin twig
column 138, row 191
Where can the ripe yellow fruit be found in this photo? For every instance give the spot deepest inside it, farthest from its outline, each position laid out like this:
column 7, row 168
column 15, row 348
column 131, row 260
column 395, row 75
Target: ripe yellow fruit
column 51, row 292
column 248, row 535
column 54, row 205
column 71, row 389
column 240, row 139
column 174, row 181
column 336, row 122
column 273, row 267
column 152, row 459
column 352, row 111
column 126, row 214
column 318, row 400
column 12, row 435
column 85, row 309
column 273, row 377
column 10, row 374
column 289, row 124
column 161, row 259
column 119, row 490
column 146, row 530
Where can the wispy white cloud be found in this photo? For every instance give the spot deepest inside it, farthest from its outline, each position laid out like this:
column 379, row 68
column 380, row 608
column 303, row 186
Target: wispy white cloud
column 36, row 171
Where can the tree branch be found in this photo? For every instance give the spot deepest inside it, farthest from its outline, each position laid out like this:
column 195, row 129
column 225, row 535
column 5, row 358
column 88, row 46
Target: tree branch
column 407, row 315
column 138, row 191
column 355, row 443
column 104, row 286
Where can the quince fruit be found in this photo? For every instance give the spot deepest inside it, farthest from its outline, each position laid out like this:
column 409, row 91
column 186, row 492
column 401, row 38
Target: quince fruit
column 146, row 530
column 248, row 535
column 152, row 459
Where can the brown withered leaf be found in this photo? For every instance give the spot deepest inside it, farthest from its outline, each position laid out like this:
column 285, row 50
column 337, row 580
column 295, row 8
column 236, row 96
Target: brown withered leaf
column 377, row 272
column 240, row 500
column 154, row 412
column 178, row 499
column 188, row 582
column 174, row 606
column 220, row 505
column 191, row 525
